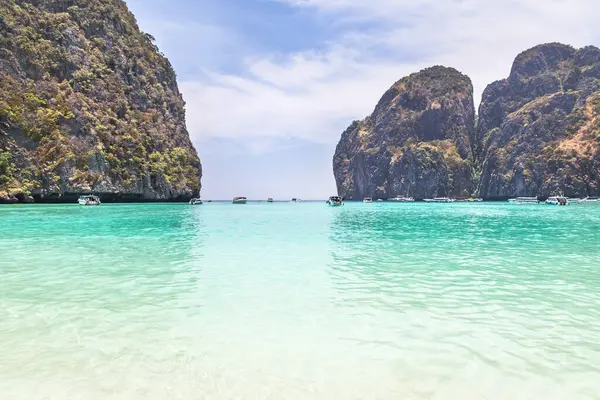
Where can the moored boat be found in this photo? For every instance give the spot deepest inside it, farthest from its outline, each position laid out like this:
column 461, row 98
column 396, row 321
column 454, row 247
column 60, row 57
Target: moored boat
column 195, row 202
column 401, row 199
column 590, row 199
column 557, row 201
column 90, row 200
column 524, row 200
column 240, row 200
column 270, row 200
column 367, row 200
column 439, row 200
column 335, row 201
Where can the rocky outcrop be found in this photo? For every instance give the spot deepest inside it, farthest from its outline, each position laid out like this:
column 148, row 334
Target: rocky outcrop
column 88, row 104
column 539, row 129
column 538, row 133
column 417, row 142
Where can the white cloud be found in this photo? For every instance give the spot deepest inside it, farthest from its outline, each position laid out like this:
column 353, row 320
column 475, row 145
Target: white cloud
column 313, row 95
column 310, row 96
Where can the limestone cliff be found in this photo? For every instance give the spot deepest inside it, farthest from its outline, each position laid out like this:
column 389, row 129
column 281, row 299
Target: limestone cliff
column 417, row 142
column 538, row 133
column 88, row 104
column 539, row 129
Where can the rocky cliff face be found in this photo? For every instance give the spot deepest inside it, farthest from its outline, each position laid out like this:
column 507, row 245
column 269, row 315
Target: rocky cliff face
column 538, row 133
column 88, row 104
column 417, row 142
column 539, row 129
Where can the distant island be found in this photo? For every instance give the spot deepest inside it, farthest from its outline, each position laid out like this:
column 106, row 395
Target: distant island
column 537, row 133
column 89, row 104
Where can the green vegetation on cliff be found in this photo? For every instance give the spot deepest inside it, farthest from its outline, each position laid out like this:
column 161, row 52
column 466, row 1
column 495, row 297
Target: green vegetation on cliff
column 417, row 142
column 540, row 128
column 88, row 103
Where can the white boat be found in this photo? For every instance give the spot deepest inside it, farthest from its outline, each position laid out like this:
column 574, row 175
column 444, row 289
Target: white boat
column 240, row 200
column 524, row 200
column 557, row 201
column 401, row 199
column 195, row 202
column 335, row 201
column 270, row 200
column 380, row 200
column 439, row 200
column 469, row 200
column 367, row 200
column 90, row 200
column 590, row 199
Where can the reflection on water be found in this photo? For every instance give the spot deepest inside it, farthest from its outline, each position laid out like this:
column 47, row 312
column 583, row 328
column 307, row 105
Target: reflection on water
column 82, row 243
column 475, row 295
column 81, row 286
column 297, row 301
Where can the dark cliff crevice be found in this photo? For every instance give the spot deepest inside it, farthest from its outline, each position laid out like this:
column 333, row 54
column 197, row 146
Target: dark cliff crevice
column 88, row 104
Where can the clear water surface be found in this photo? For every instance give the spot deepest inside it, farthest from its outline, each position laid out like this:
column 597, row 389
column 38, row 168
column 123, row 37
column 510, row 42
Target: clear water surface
column 300, row 301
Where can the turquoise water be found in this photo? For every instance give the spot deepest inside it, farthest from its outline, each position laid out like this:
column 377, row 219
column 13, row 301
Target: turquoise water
column 300, row 301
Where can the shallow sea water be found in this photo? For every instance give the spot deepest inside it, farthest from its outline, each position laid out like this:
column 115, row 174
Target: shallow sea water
column 300, row 301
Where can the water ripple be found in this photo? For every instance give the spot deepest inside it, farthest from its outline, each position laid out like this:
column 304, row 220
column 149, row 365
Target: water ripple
column 297, row 301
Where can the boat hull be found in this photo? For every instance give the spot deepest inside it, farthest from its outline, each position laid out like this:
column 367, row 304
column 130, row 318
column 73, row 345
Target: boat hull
column 587, row 200
column 524, row 200
column 240, row 201
column 335, row 201
column 87, row 202
column 561, row 201
column 402, row 200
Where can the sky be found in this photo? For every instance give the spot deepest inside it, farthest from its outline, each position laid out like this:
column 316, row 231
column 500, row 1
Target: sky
column 270, row 85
